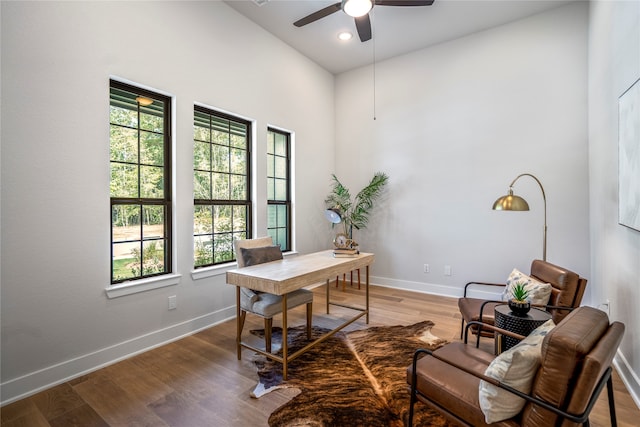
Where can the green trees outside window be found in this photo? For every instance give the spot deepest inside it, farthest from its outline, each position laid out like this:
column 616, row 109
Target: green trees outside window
column 140, row 184
column 221, row 193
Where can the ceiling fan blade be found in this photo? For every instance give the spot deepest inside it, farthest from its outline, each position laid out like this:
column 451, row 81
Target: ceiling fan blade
column 318, row 15
column 363, row 25
column 403, row 2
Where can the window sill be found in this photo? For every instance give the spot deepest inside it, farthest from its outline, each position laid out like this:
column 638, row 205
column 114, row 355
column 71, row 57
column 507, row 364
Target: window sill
column 143, row 285
column 203, row 273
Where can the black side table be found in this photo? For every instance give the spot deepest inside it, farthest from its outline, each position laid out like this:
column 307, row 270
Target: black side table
column 522, row 325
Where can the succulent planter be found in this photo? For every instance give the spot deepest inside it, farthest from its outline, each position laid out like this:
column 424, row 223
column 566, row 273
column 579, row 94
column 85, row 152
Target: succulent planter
column 519, row 308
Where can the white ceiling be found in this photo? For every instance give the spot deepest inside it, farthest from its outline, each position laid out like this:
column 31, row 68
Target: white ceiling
column 396, row 30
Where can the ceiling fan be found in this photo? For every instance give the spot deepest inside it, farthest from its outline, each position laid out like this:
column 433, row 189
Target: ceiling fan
column 359, row 10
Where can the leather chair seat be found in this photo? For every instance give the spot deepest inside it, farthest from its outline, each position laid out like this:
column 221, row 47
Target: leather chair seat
column 444, row 384
column 473, row 305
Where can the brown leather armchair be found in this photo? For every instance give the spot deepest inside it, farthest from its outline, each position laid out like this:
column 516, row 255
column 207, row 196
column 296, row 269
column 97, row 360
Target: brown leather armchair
column 568, row 289
column 575, row 365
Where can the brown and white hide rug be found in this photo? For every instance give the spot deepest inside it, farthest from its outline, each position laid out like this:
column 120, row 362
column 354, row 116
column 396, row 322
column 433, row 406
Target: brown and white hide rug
column 354, row 378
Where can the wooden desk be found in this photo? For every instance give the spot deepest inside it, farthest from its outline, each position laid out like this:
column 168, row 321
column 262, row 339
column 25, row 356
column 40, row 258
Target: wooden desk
column 289, row 274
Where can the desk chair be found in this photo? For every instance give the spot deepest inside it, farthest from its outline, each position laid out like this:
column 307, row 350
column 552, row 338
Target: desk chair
column 257, row 251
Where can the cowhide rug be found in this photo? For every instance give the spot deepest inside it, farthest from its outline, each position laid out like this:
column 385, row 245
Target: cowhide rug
column 354, row 378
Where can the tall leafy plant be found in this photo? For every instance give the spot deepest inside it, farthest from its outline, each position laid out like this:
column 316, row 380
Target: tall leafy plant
column 355, row 212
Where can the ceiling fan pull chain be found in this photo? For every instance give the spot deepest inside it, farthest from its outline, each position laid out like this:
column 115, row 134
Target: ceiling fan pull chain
column 374, row 65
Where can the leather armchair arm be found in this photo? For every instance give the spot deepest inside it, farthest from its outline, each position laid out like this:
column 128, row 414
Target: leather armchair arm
column 485, row 303
column 469, row 284
column 576, row 418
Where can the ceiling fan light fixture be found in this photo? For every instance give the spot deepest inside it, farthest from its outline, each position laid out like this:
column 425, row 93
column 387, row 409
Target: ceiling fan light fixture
column 356, row 8
column 345, row 35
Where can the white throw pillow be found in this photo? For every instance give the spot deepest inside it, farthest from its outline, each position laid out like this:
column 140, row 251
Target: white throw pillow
column 539, row 293
column 516, row 368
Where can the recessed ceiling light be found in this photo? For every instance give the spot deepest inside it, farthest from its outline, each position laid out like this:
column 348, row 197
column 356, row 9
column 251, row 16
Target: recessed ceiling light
column 345, row 35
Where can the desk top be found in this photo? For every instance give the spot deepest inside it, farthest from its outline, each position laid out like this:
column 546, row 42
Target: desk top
column 287, row 275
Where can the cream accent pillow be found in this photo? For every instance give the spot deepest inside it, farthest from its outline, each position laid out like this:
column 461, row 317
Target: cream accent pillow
column 539, row 293
column 516, row 368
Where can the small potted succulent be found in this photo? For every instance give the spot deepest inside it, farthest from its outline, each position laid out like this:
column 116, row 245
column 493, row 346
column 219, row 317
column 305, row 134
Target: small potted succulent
column 518, row 302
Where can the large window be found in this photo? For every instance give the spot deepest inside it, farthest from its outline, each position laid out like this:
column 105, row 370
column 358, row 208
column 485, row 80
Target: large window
column 221, row 192
column 279, row 188
column 140, row 162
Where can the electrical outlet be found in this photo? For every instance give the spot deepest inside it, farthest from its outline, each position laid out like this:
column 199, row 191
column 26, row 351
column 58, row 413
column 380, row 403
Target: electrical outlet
column 426, row 268
column 447, row 270
column 172, row 302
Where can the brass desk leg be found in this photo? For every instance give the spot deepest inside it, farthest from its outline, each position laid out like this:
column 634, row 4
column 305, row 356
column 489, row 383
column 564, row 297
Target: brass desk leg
column 367, row 292
column 285, row 337
column 238, row 324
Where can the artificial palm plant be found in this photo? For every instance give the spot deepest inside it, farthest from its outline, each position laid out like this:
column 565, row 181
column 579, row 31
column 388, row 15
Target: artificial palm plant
column 519, row 292
column 355, row 212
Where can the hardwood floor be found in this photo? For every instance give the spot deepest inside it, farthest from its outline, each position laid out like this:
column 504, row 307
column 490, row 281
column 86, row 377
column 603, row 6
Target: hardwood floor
column 198, row 381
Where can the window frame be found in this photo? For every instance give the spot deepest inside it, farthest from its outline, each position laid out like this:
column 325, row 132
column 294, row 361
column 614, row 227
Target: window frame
column 167, row 276
column 247, row 202
column 287, row 203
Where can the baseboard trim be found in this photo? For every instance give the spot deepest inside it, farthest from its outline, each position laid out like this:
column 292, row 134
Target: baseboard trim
column 433, row 288
column 34, row 382
column 629, row 378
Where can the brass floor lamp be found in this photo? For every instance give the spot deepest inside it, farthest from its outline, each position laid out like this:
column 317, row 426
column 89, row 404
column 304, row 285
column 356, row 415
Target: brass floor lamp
column 511, row 202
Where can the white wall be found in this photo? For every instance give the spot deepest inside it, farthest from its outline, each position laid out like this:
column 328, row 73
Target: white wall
column 614, row 64
column 455, row 124
column 57, row 58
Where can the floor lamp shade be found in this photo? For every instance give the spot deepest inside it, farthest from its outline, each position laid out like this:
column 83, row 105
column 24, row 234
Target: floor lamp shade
column 511, row 202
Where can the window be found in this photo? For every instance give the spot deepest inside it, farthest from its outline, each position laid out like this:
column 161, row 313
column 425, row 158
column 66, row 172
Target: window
column 279, row 188
column 221, row 191
column 140, row 160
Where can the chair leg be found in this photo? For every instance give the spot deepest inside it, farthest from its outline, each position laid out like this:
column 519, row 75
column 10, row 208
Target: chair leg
column 612, row 405
column 309, row 318
column 412, row 400
column 268, row 323
column 461, row 327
